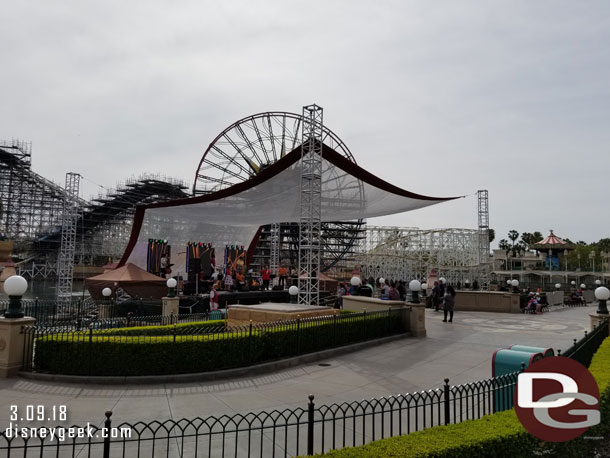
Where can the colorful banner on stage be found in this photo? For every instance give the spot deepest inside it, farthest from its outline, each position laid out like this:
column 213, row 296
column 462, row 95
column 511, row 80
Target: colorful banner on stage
column 158, row 257
column 200, row 259
column 235, row 261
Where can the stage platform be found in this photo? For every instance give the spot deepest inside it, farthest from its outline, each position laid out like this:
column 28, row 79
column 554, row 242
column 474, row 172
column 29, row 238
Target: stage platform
column 240, row 315
column 200, row 304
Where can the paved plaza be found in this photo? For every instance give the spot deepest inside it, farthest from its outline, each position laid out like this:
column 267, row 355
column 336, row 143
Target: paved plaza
column 460, row 350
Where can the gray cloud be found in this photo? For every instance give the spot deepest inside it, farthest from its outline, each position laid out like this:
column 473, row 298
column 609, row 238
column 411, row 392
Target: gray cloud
column 442, row 98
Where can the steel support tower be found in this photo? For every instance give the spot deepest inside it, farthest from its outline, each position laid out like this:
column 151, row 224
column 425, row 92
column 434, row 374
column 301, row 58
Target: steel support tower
column 483, row 207
column 311, row 205
column 274, row 259
column 65, row 261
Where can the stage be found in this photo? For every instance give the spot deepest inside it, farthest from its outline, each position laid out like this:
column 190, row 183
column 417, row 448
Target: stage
column 201, row 303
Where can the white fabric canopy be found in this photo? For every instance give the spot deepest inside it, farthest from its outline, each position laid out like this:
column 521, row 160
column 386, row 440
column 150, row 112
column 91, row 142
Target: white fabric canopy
column 233, row 216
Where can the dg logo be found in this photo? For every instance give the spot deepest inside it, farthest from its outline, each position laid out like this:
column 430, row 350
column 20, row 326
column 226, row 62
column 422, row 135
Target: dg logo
column 557, row 399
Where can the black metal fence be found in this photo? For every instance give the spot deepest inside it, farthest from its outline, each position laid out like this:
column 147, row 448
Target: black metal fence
column 583, row 350
column 291, row 432
column 81, row 314
column 285, row 433
column 51, row 311
column 179, row 348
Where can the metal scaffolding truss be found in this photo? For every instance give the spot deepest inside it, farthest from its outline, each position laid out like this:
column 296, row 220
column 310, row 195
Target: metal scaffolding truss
column 411, row 253
column 274, row 239
column 106, row 224
column 65, row 262
column 31, row 213
column 30, row 205
column 311, row 205
column 483, row 212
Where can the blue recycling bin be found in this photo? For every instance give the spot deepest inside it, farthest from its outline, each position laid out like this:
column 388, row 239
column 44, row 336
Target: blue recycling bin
column 507, row 361
column 217, row 314
column 546, row 352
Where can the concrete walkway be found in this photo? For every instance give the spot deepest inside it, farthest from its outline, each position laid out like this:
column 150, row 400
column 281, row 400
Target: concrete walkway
column 460, row 350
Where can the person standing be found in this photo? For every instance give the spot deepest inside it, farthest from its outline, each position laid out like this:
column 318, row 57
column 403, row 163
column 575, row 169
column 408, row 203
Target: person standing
column 213, row 298
column 436, row 296
column 266, row 275
column 449, row 303
column 162, row 266
column 229, row 280
column 283, row 274
column 402, row 290
column 341, row 291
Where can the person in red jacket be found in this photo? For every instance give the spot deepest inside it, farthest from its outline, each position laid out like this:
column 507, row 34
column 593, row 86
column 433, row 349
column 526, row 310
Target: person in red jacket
column 266, row 275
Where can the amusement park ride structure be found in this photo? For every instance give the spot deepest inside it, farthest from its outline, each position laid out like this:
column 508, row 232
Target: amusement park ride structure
column 33, row 211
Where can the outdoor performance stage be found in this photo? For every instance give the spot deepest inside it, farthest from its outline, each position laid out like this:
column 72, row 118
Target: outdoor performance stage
column 240, row 298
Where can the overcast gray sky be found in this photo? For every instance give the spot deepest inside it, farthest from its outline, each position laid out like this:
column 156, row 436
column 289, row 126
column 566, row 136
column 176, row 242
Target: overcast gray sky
column 441, row 98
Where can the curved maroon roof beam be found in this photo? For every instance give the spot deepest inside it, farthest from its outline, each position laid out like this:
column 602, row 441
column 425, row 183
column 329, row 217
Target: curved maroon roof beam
column 291, row 158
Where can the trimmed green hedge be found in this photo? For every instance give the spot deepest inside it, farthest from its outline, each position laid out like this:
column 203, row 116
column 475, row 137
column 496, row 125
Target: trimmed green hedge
column 163, row 330
column 107, row 353
column 497, row 435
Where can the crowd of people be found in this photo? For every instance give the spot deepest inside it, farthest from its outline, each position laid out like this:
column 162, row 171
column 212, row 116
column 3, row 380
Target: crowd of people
column 441, row 295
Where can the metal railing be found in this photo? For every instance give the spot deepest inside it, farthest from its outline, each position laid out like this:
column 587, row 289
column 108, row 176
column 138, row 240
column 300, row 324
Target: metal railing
column 297, row 431
column 50, row 311
column 82, row 313
column 279, row 433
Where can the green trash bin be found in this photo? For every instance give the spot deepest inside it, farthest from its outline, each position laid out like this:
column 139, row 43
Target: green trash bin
column 507, row 361
column 546, row 352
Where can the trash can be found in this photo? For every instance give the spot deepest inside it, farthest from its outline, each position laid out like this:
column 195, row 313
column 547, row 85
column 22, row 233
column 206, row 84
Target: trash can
column 507, row 361
column 546, row 352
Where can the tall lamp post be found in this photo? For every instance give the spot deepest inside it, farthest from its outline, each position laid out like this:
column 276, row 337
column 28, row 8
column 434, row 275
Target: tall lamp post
column 15, row 287
column 592, row 258
column 565, row 258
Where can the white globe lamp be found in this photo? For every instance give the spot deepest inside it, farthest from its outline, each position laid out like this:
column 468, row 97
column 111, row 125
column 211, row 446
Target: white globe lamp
column 442, row 280
column 415, row 287
column 293, row 291
column 557, row 285
column 583, row 286
column 106, row 292
column 355, row 281
column 602, row 294
column 171, row 284
column 515, row 283
column 15, row 287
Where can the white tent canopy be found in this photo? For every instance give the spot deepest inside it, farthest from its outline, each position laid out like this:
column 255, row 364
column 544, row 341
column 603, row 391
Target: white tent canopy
column 233, row 216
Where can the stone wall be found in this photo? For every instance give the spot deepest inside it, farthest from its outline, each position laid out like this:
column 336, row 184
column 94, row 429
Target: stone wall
column 487, row 301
